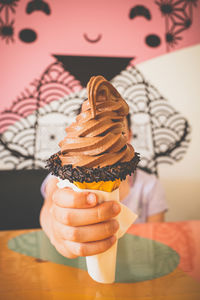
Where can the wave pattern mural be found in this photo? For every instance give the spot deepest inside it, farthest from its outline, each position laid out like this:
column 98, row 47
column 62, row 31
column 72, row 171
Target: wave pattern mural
column 160, row 133
column 32, row 128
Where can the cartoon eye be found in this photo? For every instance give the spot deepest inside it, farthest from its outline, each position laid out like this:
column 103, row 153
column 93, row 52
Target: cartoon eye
column 38, row 5
column 153, row 40
column 140, row 11
column 27, row 35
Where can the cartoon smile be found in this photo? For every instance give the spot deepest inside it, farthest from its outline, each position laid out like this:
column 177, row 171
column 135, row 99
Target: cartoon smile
column 97, row 39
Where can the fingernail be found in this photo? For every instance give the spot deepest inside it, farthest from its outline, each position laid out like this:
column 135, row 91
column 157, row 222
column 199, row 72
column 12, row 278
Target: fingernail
column 116, row 208
column 51, row 210
column 91, row 198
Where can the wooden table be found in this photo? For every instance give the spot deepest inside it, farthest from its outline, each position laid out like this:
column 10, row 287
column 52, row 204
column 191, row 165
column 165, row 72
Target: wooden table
column 25, row 277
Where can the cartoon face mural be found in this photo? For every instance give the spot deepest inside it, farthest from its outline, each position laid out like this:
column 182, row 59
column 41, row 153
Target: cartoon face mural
column 33, row 31
column 67, row 43
column 94, row 21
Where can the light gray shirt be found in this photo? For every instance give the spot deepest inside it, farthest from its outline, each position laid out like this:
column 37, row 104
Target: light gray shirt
column 146, row 196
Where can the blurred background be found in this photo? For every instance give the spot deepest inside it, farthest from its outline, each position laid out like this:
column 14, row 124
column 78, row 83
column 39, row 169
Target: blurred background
column 149, row 50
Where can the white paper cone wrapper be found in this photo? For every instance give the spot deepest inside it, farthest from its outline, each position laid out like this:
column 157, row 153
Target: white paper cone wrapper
column 101, row 267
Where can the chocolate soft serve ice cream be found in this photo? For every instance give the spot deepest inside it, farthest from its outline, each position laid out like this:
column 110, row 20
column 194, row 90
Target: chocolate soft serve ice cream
column 95, row 148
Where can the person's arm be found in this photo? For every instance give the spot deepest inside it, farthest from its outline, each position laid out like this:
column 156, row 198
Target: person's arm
column 157, row 206
column 75, row 223
column 160, row 217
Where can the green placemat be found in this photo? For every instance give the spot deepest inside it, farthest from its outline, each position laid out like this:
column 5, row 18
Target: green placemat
column 138, row 258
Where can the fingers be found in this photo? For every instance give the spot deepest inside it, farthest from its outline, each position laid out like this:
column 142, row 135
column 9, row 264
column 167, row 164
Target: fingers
column 63, row 249
column 81, row 217
column 51, row 186
column 67, row 198
column 81, row 226
column 89, row 248
column 89, row 233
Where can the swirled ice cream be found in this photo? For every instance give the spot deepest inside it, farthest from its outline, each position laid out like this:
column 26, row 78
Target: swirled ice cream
column 95, row 147
column 97, row 137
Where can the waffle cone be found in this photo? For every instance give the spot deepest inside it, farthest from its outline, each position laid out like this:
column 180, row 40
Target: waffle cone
column 106, row 186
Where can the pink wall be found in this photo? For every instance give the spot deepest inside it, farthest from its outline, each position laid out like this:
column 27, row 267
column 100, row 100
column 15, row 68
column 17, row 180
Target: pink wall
column 62, row 32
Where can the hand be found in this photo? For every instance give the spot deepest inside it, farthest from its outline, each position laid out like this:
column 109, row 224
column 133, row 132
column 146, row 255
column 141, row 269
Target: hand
column 79, row 225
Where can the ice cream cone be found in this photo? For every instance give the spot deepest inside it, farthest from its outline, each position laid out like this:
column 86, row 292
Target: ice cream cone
column 101, row 267
column 95, row 156
column 106, row 186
